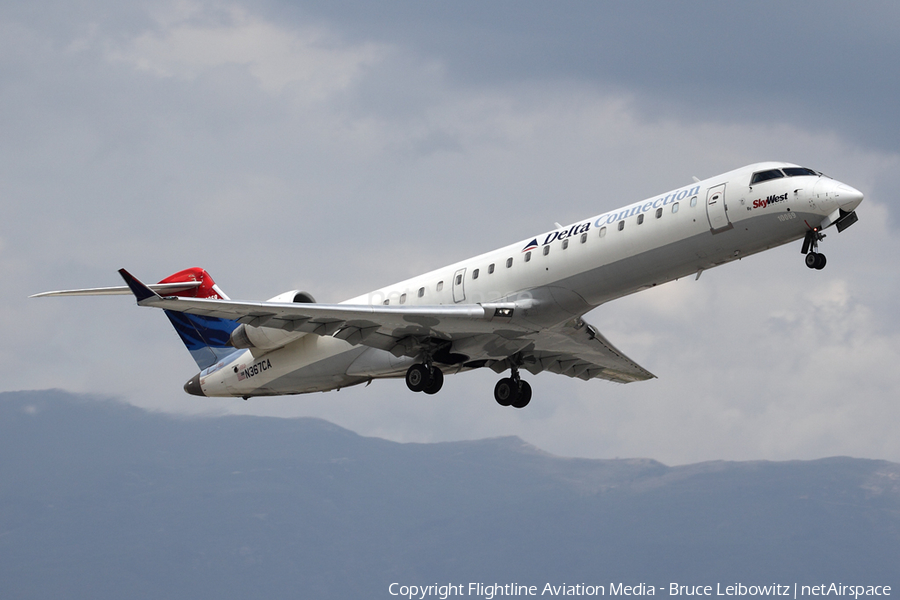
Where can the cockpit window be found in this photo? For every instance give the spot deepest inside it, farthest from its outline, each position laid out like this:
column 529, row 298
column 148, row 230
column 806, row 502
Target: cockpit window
column 799, row 171
column 766, row 176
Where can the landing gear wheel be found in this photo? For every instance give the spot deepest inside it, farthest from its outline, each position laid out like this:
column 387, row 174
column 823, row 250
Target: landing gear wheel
column 814, row 260
column 820, row 262
column 434, row 382
column 523, row 397
column 506, row 391
column 417, row 377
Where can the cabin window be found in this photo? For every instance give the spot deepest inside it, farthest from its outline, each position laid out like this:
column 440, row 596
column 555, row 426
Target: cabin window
column 403, row 298
column 766, row 176
column 490, row 268
column 527, row 256
column 565, row 243
column 603, row 232
column 508, row 263
column 459, row 279
column 583, row 237
column 546, row 249
column 475, row 274
column 659, row 212
column 675, row 208
column 386, row 302
column 640, row 219
column 621, row 225
column 421, row 292
column 693, row 201
column 440, row 285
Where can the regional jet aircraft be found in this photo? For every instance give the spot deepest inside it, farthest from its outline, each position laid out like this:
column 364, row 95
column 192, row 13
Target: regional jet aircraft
column 519, row 307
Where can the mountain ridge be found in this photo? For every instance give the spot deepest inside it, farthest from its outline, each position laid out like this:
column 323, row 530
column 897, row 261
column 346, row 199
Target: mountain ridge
column 109, row 500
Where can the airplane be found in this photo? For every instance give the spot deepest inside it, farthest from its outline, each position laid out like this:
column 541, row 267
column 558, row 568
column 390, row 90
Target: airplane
column 518, row 307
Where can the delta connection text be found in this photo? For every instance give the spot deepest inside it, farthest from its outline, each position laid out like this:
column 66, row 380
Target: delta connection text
column 489, row 591
column 615, row 216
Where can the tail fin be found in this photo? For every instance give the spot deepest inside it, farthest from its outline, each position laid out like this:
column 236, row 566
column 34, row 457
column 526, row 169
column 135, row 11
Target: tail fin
column 206, row 338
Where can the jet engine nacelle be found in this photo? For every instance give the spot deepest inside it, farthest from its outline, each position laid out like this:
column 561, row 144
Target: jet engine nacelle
column 269, row 338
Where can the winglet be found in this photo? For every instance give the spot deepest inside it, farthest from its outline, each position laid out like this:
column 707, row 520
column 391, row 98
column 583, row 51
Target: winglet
column 140, row 291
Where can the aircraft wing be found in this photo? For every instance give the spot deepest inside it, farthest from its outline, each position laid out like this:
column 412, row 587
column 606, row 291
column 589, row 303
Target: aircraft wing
column 486, row 330
column 577, row 349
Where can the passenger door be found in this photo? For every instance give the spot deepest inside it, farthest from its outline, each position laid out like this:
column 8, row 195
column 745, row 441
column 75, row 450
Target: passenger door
column 716, row 211
column 459, row 286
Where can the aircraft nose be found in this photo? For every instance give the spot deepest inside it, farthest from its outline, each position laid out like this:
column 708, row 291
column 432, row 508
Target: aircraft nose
column 848, row 198
column 192, row 387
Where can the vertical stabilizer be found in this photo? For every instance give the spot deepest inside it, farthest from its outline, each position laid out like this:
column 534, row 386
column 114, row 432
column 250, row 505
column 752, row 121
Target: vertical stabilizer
column 206, row 338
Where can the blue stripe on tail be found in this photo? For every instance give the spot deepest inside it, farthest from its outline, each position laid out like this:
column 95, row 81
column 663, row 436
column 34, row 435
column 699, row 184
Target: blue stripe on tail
column 206, row 338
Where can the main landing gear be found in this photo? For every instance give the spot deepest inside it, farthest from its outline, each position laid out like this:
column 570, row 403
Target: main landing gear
column 512, row 391
column 509, row 391
column 421, row 378
column 813, row 259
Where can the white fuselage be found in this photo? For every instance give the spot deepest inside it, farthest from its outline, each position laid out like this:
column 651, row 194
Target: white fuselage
column 571, row 270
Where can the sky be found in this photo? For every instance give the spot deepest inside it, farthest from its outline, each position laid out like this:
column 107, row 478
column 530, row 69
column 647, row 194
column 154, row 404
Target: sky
column 339, row 147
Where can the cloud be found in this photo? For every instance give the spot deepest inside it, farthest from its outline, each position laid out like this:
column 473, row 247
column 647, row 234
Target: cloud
column 190, row 43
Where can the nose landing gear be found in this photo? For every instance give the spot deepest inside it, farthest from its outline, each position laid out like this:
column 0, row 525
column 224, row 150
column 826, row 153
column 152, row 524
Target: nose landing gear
column 814, row 260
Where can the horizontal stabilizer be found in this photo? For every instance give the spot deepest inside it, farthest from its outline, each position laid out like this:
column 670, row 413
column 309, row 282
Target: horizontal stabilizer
column 163, row 289
column 206, row 337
